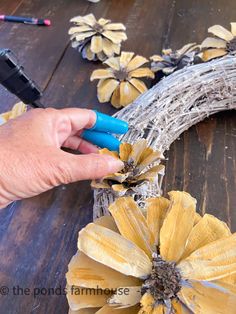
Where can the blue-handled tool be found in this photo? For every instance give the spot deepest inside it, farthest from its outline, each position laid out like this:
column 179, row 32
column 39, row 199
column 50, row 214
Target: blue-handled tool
column 100, row 133
column 14, row 79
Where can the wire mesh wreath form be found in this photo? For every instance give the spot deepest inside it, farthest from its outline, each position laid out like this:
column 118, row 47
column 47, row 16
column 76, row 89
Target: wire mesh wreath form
column 172, row 106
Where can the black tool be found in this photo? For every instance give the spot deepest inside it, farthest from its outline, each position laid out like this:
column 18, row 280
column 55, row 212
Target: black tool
column 14, row 79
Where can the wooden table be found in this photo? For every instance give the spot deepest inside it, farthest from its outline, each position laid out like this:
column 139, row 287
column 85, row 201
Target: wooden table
column 38, row 236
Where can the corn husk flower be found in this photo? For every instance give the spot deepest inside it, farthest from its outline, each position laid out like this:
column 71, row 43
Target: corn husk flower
column 17, row 110
column 141, row 167
column 96, row 39
column 171, row 61
column 222, row 44
column 121, row 82
column 170, row 260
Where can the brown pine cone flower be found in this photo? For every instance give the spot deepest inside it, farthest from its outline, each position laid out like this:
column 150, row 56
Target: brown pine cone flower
column 166, row 260
column 120, row 82
column 17, row 110
column 96, row 40
column 224, row 42
column 140, row 167
column 171, row 61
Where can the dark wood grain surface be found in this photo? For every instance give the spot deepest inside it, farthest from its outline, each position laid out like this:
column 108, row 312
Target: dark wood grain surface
column 38, row 236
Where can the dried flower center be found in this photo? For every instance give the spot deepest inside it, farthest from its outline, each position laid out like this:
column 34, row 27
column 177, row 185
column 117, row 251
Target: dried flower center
column 98, row 28
column 129, row 166
column 164, row 282
column 231, row 45
column 121, row 75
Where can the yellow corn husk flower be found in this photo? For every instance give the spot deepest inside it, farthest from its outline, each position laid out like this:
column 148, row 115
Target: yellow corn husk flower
column 141, row 166
column 17, row 110
column 171, row 61
column 223, row 43
column 170, row 260
column 121, row 82
column 96, row 39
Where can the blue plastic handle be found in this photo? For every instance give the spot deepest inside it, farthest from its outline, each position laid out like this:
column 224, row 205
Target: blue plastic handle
column 101, row 139
column 107, row 124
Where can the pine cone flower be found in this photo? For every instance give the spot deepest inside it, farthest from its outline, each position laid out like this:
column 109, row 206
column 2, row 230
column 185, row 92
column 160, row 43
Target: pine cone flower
column 120, row 82
column 171, row 61
column 170, row 260
column 96, row 40
column 224, row 42
column 140, row 167
column 17, row 110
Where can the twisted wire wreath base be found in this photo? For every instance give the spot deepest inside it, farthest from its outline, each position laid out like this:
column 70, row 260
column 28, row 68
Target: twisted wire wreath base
column 172, row 106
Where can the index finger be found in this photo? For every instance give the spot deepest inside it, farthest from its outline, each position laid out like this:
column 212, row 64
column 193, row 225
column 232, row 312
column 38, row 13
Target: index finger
column 80, row 118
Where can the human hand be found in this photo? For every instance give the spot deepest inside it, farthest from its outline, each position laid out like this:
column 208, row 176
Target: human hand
column 31, row 159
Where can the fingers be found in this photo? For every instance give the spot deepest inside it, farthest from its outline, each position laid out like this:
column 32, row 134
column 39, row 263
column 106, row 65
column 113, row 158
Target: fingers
column 77, row 143
column 71, row 168
column 80, row 118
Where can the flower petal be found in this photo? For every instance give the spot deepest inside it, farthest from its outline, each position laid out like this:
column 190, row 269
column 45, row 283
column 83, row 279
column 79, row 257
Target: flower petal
column 126, row 297
column 101, row 56
column 96, row 44
column 208, row 229
column 115, row 27
column 186, row 48
column 89, row 19
column 83, row 311
column 79, row 29
column 119, row 189
column 82, row 298
column 125, row 59
column 128, row 93
column 115, row 100
column 172, row 237
column 107, row 309
column 106, row 88
column 113, row 62
column 233, row 28
column 210, row 42
column 157, row 58
column 17, row 110
column 103, row 21
column 157, row 209
column 136, row 62
column 82, row 36
column 231, row 279
column 132, row 224
column 221, row 32
column 148, row 157
column 115, row 37
column 106, row 151
column 179, row 307
column 107, row 222
column 117, row 177
column 139, row 85
column 208, row 298
column 149, row 306
column 151, row 174
column 109, row 48
column 197, row 218
column 102, row 74
column 211, row 262
column 125, row 150
column 87, row 53
column 85, row 272
column 137, row 151
column 110, row 248
column 141, row 72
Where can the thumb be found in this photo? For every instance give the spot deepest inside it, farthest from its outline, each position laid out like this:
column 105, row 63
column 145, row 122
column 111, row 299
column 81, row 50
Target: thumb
column 74, row 168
